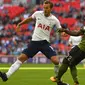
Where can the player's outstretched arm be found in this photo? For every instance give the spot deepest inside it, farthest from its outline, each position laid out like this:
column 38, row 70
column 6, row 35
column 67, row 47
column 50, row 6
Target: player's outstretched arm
column 25, row 21
column 72, row 33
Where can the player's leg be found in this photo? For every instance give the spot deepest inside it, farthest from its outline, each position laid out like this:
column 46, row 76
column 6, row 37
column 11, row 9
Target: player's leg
column 65, row 65
column 55, row 61
column 13, row 67
column 51, row 54
column 23, row 57
column 63, row 68
column 76, row 56
column 73, row 71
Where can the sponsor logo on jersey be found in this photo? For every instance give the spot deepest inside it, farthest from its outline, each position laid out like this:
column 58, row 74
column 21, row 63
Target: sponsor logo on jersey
column 43, row 26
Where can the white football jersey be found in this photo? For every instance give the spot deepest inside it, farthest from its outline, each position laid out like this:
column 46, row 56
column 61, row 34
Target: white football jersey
column 75, row 40
column 44, row 26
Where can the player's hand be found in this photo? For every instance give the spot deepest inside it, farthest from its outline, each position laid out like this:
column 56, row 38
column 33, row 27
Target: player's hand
column 62, row 30
column 18, row 28
column 64, row 34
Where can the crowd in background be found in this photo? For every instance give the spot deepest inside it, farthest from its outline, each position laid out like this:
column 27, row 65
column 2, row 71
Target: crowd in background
column 12, row 42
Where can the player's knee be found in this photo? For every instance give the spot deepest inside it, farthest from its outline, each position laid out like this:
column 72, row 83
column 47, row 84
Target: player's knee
column 22, row 58
column 55, row 60
column 72, row 64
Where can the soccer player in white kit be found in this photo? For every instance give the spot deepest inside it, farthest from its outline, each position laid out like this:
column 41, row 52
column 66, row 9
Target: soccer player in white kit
column 74, row 40
column 40, row 39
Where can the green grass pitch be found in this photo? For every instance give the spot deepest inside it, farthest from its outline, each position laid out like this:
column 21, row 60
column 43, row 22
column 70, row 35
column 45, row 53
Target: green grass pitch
column 38, row 74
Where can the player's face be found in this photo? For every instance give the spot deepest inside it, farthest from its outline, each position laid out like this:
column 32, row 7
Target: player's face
column 47, row 9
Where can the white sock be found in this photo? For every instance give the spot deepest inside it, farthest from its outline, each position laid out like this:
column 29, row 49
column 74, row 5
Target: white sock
column 56, row 69
column 13, row 68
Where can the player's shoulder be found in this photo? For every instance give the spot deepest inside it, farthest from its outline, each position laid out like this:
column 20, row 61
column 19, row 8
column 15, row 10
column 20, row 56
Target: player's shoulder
column 38, row 12
column 54, row 17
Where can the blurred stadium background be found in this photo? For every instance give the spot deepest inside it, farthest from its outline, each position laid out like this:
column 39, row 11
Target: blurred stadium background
column 71, row 14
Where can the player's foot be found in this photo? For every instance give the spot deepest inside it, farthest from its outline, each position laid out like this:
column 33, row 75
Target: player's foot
column 76, row 83
column 3, row 76
column 62, row 83
column 53, row 79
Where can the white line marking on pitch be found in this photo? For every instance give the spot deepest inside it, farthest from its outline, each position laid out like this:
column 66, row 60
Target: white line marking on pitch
column 36, row 68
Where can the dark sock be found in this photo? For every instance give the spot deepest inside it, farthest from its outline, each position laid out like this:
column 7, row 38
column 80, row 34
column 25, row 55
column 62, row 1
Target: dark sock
column 63, row 68
column 73, row 71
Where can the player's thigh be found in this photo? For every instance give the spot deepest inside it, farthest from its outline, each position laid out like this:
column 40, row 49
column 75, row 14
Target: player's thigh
column 65, row 61
column 75, row 56
column 31, row 50
column 48, row 51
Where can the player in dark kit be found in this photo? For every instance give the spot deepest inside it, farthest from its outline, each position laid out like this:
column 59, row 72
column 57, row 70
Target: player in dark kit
column 76, row 55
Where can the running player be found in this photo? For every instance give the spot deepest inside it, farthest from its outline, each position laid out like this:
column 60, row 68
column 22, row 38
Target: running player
column 40, row 39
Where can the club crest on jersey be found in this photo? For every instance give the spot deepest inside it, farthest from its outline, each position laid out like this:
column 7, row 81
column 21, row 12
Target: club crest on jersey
column 43, row 26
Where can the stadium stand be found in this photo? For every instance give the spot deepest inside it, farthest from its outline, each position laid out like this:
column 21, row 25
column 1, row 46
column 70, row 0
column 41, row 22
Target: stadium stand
column 70, row 13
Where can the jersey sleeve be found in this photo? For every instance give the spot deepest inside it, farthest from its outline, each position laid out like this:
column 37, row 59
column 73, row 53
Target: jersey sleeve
column 34, row 15
column 57, row 23
column 69, row 41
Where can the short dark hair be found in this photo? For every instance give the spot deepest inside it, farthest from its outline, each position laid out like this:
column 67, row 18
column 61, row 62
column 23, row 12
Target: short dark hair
column 48, row 2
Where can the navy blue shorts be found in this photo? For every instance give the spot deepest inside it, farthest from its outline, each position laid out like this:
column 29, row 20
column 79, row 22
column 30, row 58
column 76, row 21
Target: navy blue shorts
column 35, row 46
